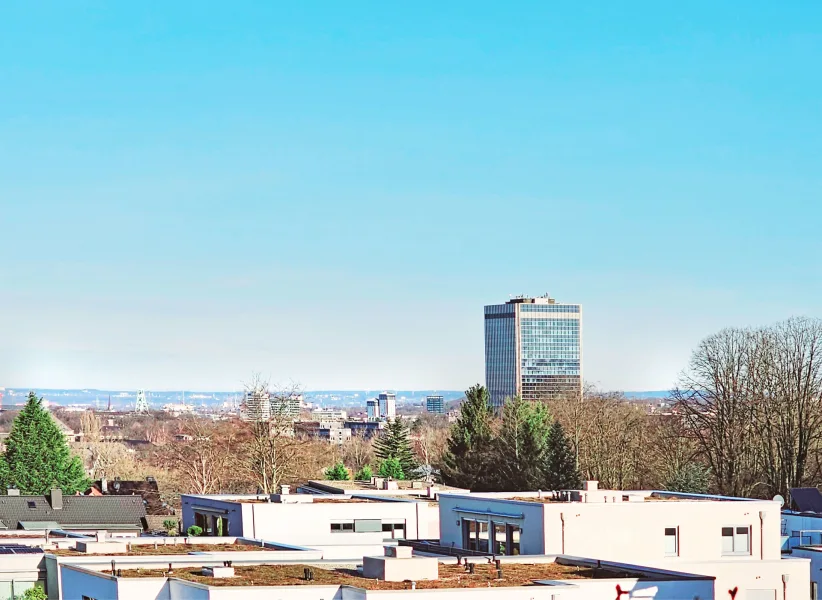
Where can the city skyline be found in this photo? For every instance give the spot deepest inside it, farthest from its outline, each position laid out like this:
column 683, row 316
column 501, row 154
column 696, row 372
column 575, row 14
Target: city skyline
column 331, row 196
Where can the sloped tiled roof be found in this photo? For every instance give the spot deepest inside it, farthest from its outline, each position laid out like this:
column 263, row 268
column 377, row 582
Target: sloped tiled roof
column 149, row 491
column 87, row 512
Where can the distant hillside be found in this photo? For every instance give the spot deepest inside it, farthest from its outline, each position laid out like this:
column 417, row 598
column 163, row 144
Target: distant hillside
column 650, row 394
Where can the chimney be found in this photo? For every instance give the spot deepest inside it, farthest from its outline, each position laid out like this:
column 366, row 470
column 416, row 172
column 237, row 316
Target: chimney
column 285, row 490
column 104, row 485
column 590, row 486
column 13, row 492
column 57, row 499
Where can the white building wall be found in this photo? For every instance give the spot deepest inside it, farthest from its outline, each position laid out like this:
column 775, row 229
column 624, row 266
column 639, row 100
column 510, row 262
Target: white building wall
column 635, row 531
column 296, row 592
column 623, row 531
column 755, row 575
column 309, row 524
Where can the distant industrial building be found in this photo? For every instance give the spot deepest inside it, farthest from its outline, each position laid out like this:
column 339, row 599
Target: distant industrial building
column 435, row 404
column 533, row 349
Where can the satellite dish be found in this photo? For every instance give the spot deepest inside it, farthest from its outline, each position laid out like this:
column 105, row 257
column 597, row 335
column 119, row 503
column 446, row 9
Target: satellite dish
column 780, row 499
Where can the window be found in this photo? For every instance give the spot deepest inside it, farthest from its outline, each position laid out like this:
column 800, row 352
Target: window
column 671, row 541
column 342, row 527
column 394, row 530
column 736, row 540
column 367, row 525
column 499, row 546
column 469, row 534
column 482, row 536
column 31, row 504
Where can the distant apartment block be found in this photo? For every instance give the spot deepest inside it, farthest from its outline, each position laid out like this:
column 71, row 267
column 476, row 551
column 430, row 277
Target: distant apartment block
column 330, row 431
column 388, row 405
column 533, row 349
column 372, row 408
column 329, row 414
column 263, row 407
column 435, row 404
column 257, row 406
column 366, row 429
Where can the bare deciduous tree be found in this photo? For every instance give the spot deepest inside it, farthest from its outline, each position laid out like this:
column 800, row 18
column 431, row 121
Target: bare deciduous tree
column 272, row 452
column 205, row 457
column 714, row 397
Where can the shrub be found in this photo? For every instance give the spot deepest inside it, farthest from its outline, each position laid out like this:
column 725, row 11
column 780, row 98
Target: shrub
column 391, row 467
column 170, row 525
column 337, row 473
column 364, row 474
column 35, row 593
column 194, row 531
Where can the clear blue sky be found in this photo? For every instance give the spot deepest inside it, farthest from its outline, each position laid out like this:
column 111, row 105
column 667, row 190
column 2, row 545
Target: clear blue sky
column 330, row 192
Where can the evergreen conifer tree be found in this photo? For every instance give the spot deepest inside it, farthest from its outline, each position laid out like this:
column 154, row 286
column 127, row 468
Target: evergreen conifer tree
column 337, row 473
column 364, row 474
column 394, row 443
column 391, row 467
column 560, row 466
column 469, row 443
column 521, row 446
column 37, row 457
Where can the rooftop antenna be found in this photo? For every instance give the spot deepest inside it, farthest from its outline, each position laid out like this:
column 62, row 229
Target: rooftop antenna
column 141, row 406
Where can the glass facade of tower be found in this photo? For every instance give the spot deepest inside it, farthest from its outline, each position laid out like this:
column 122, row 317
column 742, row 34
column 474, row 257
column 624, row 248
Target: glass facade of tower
column 550, row 350
column 533, row 348
column 500, row 352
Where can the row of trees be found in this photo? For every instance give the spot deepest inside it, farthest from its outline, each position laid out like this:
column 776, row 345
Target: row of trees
column 751, row 402
column 523, row 449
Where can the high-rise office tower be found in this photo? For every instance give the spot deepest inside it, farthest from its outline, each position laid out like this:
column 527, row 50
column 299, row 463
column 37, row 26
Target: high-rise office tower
column 434, row 404
column 388, row 405
column 533, row 348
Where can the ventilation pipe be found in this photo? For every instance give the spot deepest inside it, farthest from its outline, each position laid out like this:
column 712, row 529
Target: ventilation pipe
column 562, row 518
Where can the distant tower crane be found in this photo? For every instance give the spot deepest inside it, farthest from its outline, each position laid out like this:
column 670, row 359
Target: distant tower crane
column 141, row 406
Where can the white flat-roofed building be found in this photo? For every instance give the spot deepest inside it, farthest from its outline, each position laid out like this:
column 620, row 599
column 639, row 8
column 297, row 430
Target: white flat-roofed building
column 736, row 540
column 384, row 577
column 315, row 521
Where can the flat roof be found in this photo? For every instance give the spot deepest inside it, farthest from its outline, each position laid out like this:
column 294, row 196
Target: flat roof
column 450, row 576
column 167, row 549
column 421, row 486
